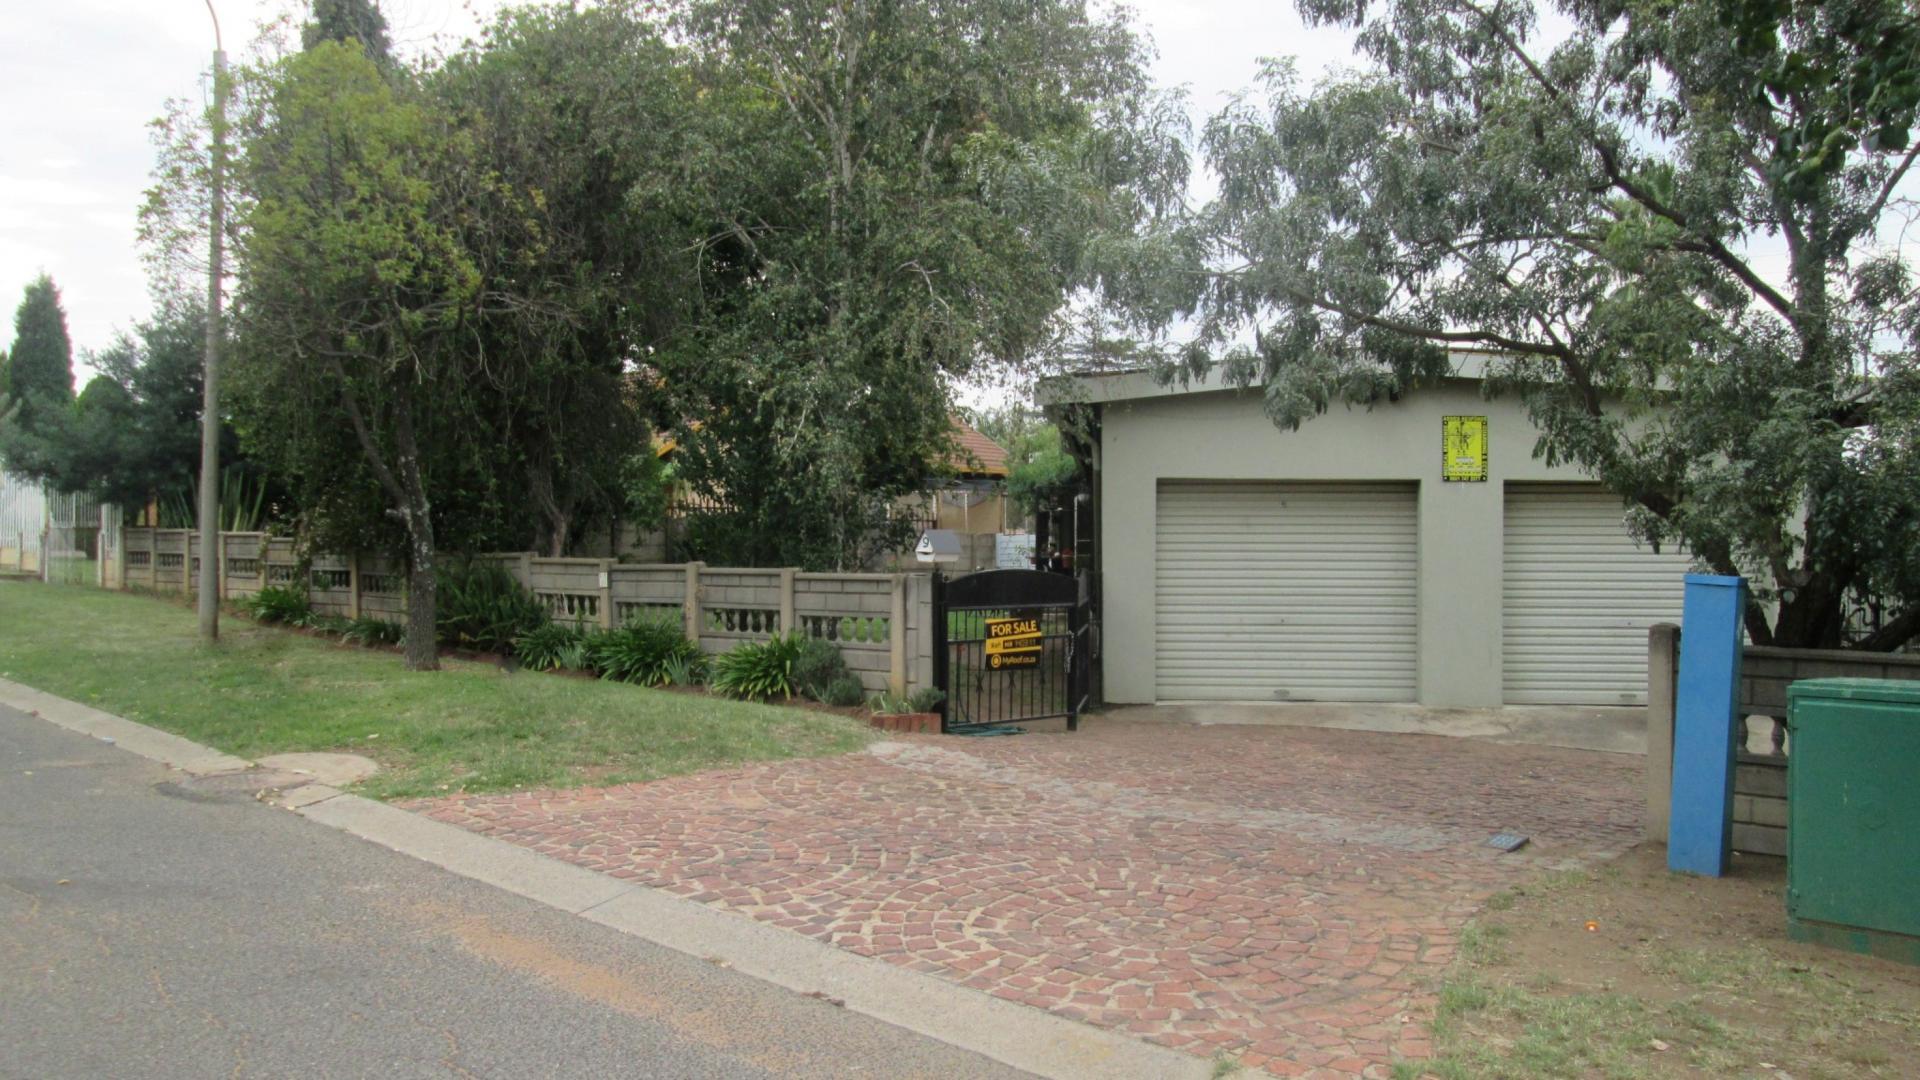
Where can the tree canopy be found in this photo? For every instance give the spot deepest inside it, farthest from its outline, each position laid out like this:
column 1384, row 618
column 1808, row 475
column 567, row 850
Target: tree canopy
column 357, row 294
column 579, row 114
column 40, row 362
column 348, row 20
column 593, row 224
column 889, row 196
column 39, row 382
column 1680, row 253
column 134, row 432
column 1042, row 474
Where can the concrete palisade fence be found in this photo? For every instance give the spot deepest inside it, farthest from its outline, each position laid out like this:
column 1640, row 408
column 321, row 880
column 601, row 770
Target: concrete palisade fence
column 1763, row 746
column 883, row 623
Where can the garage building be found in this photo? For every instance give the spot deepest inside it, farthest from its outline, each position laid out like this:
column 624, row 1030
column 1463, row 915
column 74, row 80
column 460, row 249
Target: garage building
column 1241, row 562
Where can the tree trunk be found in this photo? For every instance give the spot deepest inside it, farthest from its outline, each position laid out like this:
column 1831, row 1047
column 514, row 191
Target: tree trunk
column 560, row 524
column 1810, row 618
column 409, row 493
column 1897, row 632
column 423, row 653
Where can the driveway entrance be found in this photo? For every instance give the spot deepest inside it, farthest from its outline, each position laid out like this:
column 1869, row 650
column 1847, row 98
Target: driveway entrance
column 1275, row 893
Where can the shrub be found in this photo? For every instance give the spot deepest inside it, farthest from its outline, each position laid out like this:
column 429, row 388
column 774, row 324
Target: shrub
column 924, row 700
column 326, row 624
column 640, row 652
column 483, row 607
column 547, row 647
column 279, row 604
column 370, row 631
column 758, row 669
column 686, row 670
column 844, row 691
column 816, row 666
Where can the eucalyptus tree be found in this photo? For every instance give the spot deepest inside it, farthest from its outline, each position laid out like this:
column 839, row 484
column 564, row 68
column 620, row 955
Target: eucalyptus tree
column 890, row 196
column 1675, row 225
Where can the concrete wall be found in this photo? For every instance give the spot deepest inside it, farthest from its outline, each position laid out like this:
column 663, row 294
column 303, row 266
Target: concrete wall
column 1760, row 759
column 1225, row 435
column 883, row 623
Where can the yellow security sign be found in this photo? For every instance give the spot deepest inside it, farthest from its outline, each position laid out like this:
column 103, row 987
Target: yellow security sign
column 1013, row 642
column 1463, row 448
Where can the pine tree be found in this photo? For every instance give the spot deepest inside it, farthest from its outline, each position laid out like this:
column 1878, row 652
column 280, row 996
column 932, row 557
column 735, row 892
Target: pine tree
column 40, row 371
column 349, row 20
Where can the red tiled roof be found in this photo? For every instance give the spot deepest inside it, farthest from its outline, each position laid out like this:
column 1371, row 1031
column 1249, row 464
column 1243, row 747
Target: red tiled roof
column 975, row 454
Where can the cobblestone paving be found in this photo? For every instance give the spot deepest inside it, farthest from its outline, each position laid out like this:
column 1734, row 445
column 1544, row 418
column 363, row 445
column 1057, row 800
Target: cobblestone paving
column 1273, row 893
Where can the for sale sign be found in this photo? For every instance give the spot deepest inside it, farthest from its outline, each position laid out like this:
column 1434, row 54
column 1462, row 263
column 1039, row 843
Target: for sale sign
column 1013, row 642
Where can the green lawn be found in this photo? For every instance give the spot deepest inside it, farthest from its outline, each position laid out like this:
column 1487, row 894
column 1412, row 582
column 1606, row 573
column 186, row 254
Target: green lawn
column 469, row 727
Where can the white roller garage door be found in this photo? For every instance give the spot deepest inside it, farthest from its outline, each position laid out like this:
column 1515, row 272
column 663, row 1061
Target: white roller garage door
column 1578, row 597
column 1288, row 592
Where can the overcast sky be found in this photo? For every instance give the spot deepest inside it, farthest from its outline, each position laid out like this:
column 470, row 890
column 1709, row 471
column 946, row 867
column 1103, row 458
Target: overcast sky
column 84, row 78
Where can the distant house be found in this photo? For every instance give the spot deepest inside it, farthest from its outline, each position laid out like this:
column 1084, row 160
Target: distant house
column 974, row 498
column 968, row 496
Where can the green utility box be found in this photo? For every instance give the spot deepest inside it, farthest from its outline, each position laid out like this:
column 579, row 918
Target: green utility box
column 1853, row 815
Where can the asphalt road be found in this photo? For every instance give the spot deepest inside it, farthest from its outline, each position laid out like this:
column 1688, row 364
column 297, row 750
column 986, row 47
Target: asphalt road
column 156, row 927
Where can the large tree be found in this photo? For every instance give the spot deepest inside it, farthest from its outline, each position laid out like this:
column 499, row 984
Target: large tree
column 39, row 395
column 135, row 430
column 356, row 366
column 349, row 21
column 1675, row 225
column 40, row 363
column 892, row 196
column 579, row 114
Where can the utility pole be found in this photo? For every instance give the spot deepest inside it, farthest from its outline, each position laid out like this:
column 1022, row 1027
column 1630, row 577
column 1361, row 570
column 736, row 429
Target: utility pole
column 210, row 402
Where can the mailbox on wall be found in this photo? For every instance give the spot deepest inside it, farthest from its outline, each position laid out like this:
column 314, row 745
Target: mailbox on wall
column 938, row 547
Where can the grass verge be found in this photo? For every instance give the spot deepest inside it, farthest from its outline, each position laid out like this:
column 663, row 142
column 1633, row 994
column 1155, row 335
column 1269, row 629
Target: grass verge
column 1632, row 972
column 468, row 727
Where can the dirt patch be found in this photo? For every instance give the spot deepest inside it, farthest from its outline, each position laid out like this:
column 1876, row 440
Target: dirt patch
column 1636, row 971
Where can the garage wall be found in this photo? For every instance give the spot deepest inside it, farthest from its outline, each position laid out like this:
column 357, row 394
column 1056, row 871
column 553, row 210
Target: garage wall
column 1225, row 435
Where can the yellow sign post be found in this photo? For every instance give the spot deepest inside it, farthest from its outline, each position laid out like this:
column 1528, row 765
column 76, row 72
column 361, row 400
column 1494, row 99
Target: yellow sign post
column 1013, row 642
column 1463, row 448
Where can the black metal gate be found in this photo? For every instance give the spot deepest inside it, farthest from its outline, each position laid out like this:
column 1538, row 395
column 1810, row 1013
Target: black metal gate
column 1010, row 646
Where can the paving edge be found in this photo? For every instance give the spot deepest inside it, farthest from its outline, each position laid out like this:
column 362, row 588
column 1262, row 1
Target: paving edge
column 1017, row 1035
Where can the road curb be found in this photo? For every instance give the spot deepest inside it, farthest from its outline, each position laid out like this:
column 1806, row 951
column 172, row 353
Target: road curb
column 1017, row 1035
column 150, row 743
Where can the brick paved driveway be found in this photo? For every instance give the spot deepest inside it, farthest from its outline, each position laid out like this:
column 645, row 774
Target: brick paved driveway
column 1275, row 893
